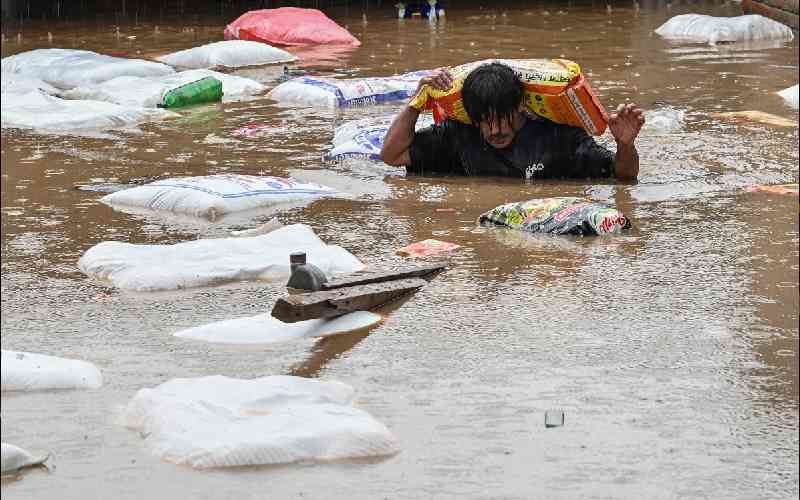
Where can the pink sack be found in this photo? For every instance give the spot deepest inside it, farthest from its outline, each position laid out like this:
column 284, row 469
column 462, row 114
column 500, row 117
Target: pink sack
column 289, row 26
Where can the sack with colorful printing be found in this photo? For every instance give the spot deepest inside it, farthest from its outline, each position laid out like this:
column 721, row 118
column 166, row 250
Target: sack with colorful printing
column 554, row 89
column 563, row 215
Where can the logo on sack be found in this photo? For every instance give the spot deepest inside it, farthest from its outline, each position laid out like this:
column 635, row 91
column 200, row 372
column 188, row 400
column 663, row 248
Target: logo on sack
column 532, row 169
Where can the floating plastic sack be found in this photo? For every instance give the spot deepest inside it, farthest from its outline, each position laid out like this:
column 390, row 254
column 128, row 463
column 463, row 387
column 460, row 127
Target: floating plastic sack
column 42, row 112
column 289, row 26
column 20, row 84
column 565, row 215
column 425, row 248
column 265, row 329
column 555, row 89
column 66, row 68
column 227, row 54
column 14, row 458
column 213, row 196
column 709, row 29
column 224, row 422
column 150, row 92
column 216, row 261
column 782, row 189
column 360, row 139
column 791, row 96
column 24, row 371
column 333, row 93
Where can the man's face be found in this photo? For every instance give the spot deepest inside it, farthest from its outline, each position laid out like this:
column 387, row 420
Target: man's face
column 499, row 132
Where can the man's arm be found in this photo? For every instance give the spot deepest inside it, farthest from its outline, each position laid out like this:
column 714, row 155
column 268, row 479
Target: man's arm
column 625, row 125
column 401, row 134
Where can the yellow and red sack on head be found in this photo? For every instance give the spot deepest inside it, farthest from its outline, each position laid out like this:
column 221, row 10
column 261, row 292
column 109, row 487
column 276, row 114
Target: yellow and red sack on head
column 554, row 89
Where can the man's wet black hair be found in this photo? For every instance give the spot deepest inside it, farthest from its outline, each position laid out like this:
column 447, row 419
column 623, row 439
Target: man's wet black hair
column 491, row 90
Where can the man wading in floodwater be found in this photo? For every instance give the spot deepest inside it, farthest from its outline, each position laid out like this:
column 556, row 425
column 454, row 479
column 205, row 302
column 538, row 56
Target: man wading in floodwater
column 507, row 141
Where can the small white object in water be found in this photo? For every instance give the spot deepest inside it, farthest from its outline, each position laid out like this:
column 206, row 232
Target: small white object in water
column 224, row 422
column 264, row 329
column 14, row 458
column 24, row 371
column 666, row 120
column 791, row 95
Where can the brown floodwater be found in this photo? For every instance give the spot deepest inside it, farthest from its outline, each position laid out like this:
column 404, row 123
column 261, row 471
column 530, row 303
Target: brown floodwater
column 672, row 349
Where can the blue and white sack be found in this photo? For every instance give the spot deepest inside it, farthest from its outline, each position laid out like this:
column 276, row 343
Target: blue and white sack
column 364, row 138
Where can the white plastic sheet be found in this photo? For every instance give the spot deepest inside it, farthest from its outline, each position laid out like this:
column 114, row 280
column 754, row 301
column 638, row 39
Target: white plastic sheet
column 333, row 93
column 39, row 111
column 24, row 371
column 14, row 458
column 709, row 29
column 791, row 96
column 223, row 422
column 264, row 329
column 149, row 92
column 215, row 261
column 227, row 54
column 67, row 68
column 213, row 196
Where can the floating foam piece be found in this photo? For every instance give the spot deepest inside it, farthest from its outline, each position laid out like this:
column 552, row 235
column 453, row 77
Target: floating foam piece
column 264, row 329
column 214, row 261
column 289, row 26
column 24, row 371
column 213, row 196
column 333, row 93
column 39, row 111
column 67, row 68
column 14, row 458
column 666, row 120
column 227, row 54
column 791, row 95
column 149, row 92
column 756, row 116
column 710, row 29
column 13, row 83
column 224, row 422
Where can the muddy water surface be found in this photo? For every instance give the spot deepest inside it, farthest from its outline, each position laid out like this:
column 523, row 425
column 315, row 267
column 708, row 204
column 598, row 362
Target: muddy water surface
column 673, row 349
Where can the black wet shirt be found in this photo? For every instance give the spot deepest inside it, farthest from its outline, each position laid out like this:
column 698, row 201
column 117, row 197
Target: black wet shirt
column 541, row 150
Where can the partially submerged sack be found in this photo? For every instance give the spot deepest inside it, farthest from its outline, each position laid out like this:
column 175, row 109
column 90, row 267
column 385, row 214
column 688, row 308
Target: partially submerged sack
column 14, row 458
column 791, row 96
column 334, row 93
column 554, row 89
column 25, row 371
column 67, row 68
column 224, row 422
column 39, row 111
column 213, row 196
column 710, row 29
column 360, row 141
column 227, row 54
column 150, row 92
column 289, row 26
column 13, row 83
column 563, row 215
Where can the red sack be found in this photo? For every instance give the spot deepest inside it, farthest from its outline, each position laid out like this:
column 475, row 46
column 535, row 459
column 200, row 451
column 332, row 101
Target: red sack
column 289, row 26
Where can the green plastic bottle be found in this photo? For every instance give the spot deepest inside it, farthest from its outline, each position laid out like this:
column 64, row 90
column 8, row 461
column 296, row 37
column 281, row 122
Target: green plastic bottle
column 202, row 91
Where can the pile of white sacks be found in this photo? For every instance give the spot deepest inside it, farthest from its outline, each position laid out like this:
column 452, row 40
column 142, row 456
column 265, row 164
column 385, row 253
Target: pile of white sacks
column 65, row 89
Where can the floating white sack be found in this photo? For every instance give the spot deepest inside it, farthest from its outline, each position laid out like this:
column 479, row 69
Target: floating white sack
column 227, row 54
column 224, row 422
column 67, row 68
column 14, row 458
column 709, row 29
column 214, row 261
column 24, row 371
column 366, row 141
column 37, row 110
column 213, row 196
column 20, row 84
column 149, row 92
column 791, row 95
column 332, row 93
column 264, row 329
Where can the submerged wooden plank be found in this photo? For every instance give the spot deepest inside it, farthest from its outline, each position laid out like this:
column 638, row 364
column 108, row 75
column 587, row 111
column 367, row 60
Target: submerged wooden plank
column 332, row 303
column 381, row 276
